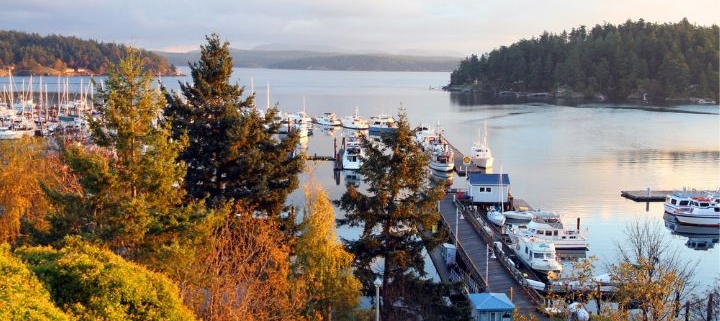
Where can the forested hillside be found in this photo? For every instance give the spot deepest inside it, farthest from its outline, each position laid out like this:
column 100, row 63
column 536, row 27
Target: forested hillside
column 32, row 54
column 674, row 61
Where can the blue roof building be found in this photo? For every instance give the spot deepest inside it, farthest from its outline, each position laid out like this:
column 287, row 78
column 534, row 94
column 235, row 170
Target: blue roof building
column 491, row 307
column 488, row 188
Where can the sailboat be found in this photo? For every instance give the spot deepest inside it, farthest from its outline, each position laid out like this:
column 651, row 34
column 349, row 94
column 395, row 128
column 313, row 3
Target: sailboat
column 481, row 154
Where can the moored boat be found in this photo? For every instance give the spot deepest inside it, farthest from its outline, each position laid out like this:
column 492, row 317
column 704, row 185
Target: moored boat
column 353, row 152
column 382, row 123
column 328, row 119
column 702, row 211
column 679, row 201
column 549, row 227
column 481, row 154
column 537, row 254
column 355, row 121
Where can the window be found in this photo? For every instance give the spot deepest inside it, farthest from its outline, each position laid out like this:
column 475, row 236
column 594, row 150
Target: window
column 482, row 189
column 489, row 190
column 684, row 203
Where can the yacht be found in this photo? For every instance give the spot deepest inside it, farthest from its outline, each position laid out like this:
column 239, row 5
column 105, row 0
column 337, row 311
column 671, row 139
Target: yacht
column 548, row 226
column 355, row 121
column 353, row 153
column 382, row 123
column 328, row 119
column 679, row 201
column 536, row 253
column 702, row 211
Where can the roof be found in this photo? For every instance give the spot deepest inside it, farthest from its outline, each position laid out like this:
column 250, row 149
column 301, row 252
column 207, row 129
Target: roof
column 488, row 179
column 491, row 302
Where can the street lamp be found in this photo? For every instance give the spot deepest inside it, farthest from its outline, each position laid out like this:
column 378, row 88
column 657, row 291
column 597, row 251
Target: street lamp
column 378, row 284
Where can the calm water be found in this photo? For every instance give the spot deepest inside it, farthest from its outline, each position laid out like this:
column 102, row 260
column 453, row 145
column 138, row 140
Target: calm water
column 573, row 159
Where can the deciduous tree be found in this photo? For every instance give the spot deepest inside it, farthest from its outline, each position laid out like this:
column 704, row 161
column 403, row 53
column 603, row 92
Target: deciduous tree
column 322, row 262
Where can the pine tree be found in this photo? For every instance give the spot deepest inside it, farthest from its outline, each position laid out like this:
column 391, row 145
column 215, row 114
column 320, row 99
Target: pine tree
column 129, row 197
column 396, row 217
column 232, row 152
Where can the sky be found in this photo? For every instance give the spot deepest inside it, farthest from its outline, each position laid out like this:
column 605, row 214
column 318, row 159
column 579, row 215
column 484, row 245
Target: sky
column 449, row 27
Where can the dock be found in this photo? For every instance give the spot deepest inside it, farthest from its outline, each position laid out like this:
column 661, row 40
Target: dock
column 646, row 195
column 480, row 271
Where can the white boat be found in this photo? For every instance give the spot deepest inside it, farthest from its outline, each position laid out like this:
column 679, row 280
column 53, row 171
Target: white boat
column 481, row 154
column 355, row 121
column 549, row 227
column 519, row 215
column 442, row 157
column 422, row 134
column 328, row 119
column 702, row 211
column 496, row 217
column 679, row 201
column 537, row 254
column 353, row 152
column 382, row 123
column 17, row 128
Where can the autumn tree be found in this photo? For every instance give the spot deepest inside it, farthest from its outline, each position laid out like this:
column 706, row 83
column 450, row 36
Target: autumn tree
column 324, row 265
column 244, row 273
column 232, row 153
column 649, row 275
column 23, row 206
column 129, row 197
column 396, row 216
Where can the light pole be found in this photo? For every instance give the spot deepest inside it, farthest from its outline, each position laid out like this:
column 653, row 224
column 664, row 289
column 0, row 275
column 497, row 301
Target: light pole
column 378, row 284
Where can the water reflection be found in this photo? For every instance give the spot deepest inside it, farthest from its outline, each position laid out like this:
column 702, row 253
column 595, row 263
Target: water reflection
column 351, row 177
column 440, row 178
column 699, row 238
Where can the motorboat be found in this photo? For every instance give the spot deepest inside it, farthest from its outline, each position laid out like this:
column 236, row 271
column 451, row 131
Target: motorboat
column 537, row 254
column 481, row 153
column 328, row 119
column 496, row 217
column 382, row 123
column 353, row 152
column 679, row 201
column 549, row 227
column 423, row 134
column 354, row 121
column 442, row 158
column 702, row 211
column 17, row 128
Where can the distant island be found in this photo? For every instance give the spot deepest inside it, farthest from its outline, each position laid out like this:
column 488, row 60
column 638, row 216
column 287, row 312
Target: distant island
column 635, row 60
column 31, row 54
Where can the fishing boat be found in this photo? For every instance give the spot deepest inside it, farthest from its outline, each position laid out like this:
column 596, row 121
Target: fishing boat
column 481, row 154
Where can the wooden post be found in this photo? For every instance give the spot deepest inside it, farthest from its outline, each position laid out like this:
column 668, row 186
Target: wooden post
column 687, row 310
column 710, row 307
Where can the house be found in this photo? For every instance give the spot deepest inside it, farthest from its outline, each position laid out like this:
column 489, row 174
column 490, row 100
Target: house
column 488, row 188
column 490, row 307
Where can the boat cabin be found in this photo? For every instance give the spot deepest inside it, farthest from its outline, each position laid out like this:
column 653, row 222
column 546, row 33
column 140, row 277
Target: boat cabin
column 488, row 188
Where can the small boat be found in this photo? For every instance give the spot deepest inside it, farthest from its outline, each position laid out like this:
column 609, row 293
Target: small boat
column 481, row 154
column 549, row 227
column 353, row 152
column 382, row 123
column 355, row 121
column 328, row 119
column 496, row 217
column 519, row 215
column 536, row 253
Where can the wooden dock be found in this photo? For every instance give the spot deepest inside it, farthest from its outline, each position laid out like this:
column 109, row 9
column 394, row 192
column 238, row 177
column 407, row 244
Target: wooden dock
column 493, row 274
column 646, row 195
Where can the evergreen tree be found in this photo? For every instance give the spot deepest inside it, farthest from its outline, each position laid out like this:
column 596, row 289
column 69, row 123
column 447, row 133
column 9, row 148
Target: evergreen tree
column 396, row 216
column 232, row 152
column 128, row 197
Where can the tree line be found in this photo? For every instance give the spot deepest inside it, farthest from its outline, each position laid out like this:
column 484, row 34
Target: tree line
column 32, row 54
column 676, row 61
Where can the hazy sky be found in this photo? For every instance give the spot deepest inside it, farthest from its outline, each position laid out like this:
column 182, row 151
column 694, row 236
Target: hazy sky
column 460, row 26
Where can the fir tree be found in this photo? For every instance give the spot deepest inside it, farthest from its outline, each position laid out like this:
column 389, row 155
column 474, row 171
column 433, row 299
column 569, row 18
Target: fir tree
column 396, row 217
column 232, row 152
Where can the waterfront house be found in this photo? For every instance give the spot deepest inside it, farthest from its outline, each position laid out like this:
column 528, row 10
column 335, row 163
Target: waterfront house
column 490, row 307
column 488, row 189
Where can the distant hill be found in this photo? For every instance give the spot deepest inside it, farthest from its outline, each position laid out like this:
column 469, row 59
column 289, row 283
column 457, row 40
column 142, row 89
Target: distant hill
column 32, row 54
column 302, row 59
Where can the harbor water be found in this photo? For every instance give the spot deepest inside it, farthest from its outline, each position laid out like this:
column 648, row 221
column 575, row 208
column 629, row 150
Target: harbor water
column 569, row 157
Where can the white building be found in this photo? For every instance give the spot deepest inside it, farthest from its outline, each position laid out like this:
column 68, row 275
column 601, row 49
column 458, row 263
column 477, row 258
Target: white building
column 488, row 188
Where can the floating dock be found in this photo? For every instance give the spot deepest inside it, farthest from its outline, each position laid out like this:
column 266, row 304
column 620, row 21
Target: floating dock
column 646, row 195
